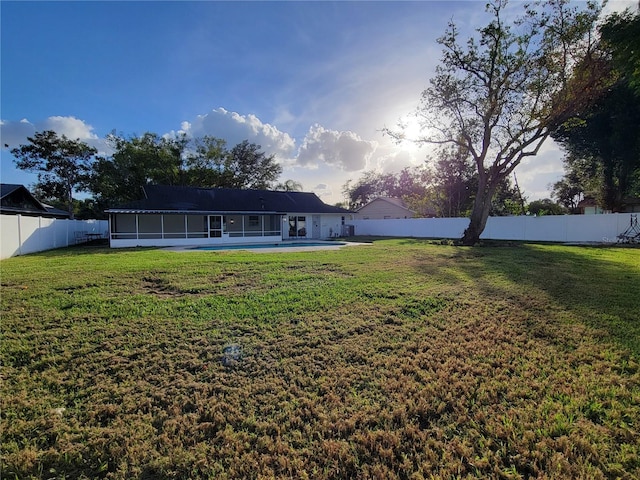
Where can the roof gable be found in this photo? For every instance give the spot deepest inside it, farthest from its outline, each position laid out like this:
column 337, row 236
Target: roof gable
column 394, row 202
column 226, row 200
column 16, row 199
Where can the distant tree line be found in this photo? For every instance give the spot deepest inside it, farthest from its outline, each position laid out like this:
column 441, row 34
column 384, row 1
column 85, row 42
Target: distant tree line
column 443, row 187
column 66, row 166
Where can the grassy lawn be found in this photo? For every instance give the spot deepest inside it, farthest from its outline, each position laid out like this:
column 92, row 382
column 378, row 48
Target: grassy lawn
column 402, row 359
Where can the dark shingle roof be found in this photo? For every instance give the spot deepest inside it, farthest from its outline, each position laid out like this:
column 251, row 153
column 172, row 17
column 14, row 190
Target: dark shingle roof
column 8, row 188
column 225, row 200
column 16, row 199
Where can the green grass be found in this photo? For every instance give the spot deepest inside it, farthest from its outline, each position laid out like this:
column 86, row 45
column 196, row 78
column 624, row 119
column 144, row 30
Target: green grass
column 401, row 359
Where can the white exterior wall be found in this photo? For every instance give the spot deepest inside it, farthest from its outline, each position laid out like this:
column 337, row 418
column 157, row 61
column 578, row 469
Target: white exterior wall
column 20, row 234
column 331, row 225
column 379, row 208
column 191, row 242
column 548, row 228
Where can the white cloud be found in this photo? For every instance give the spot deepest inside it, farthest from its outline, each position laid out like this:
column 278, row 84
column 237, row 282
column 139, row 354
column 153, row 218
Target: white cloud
column 235, row 128
column 70, row 126
column 16, row 133
column 344, row 150
column 619, row 6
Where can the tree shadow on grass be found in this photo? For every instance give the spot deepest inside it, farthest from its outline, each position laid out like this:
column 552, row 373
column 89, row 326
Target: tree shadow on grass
column 601, row 286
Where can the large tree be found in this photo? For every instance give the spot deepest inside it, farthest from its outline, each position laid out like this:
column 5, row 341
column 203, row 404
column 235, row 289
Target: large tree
column 246, row 166
column 621, row 36
column 499, row 95
column 136, row 161
column 289, row 185
column 453, row 182
column 602, row 143
column 62, row 165
column 198, row 162
column 209, row 163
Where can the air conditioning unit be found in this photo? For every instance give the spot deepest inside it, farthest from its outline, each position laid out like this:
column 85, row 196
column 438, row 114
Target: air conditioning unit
column 348, row 230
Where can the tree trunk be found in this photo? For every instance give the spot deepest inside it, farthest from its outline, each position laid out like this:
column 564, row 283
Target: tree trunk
column 480, row 212
column 69, row 201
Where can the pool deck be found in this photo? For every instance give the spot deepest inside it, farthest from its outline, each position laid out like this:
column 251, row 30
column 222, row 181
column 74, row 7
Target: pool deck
column 253, row 247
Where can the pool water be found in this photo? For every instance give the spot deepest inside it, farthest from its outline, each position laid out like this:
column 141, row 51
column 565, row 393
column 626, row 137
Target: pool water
column 270, row 245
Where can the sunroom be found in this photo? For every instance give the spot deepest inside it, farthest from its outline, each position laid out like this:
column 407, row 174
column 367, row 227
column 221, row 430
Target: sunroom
column 181, row 216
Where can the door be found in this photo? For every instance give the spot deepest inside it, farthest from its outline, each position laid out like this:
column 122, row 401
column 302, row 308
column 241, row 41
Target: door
column 316, row 231
column 215, row 226
column 297, row 226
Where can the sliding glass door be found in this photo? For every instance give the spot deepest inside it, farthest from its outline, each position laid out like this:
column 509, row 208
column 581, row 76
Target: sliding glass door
column 297, row 226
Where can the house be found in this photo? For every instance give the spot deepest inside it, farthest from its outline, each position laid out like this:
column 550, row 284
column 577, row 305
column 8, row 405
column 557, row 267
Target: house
column 177, row 216
column 630, row 205
column 589, row 206
column 382, row 208
column 17, row 200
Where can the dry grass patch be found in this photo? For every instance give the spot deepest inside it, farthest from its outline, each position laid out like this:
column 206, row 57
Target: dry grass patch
column 399, row 360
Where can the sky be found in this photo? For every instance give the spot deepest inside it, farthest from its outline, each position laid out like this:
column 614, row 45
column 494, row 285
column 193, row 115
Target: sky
column 313, row 83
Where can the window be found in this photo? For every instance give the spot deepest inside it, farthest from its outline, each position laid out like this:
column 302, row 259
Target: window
column 174, row 226
column 149, row 226
column 272, row 225
column 233, row 225
column 197, row 226
column 253, row 226
column 123, row 226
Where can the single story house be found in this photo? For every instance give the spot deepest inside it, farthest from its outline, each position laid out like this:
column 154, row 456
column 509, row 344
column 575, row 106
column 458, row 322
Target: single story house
column 630, row 205
column 180, row 216
column 589, row 206
column 383, row 208
column 17, row 200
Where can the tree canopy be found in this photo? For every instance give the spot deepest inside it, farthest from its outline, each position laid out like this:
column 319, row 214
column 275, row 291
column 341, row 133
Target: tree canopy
column 200, row 162
column 602, row 142
column 136, row 161
column 442, row 188
column 499, row 95
column 63, row 165
column 408, row 183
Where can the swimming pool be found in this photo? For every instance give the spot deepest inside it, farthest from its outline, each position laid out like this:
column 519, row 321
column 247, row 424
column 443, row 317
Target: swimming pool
column 252, row 246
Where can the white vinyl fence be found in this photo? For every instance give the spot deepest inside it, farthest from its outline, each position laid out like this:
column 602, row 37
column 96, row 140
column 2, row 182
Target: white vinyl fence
column 548, row 228
column 21, row 234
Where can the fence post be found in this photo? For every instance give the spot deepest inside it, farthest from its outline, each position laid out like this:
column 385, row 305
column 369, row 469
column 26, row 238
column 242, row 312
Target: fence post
column 19, row 234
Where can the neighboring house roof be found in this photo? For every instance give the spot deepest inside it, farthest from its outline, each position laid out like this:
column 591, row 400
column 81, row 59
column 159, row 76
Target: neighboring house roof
column 16, row 199
column 178, row 199
column 587, row 202
column 395, row 202
column 628, row 204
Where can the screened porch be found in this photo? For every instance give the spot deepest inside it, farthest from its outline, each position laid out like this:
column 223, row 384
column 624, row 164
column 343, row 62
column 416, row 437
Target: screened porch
column 139, row 226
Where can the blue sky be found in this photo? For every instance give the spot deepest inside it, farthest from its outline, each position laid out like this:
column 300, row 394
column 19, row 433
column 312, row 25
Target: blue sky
column 312, row 82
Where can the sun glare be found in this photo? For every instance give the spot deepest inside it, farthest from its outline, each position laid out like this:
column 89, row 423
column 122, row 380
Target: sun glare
column 412, row 129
